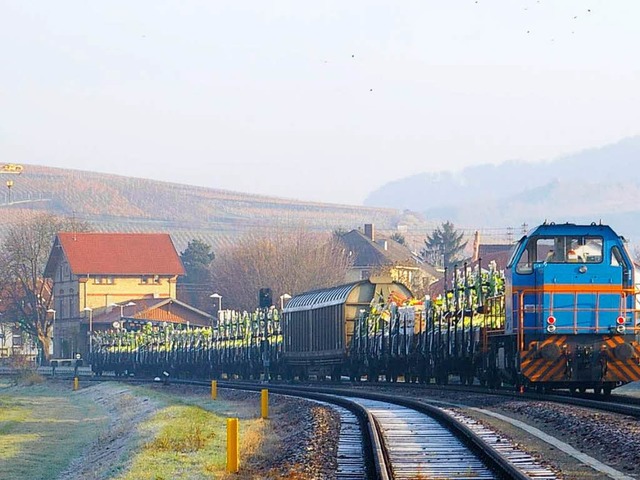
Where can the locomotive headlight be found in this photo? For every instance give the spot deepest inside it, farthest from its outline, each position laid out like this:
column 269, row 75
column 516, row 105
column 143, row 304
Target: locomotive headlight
column 551, row 328
column 620, row 327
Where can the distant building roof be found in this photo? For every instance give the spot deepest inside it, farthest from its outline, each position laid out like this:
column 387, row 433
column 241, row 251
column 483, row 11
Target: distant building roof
column 499, row 253
column 491, row 248
column 149, row 310
column 116, row 254
column 374, row 254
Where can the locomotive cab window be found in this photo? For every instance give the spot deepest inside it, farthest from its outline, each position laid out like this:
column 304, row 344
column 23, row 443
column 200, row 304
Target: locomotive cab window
column 559, row 249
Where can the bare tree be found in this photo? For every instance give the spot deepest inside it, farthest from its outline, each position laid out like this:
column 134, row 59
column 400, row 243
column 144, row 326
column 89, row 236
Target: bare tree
column 284, row 261
column 26, row 295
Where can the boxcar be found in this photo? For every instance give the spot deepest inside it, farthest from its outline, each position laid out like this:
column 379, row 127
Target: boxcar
column 318, row 327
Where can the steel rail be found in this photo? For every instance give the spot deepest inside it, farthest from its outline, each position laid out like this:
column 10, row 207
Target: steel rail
column 492, row 457
column 375, row 460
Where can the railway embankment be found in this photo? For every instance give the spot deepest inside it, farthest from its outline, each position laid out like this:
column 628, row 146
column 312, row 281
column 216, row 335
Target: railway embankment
column 115, row 430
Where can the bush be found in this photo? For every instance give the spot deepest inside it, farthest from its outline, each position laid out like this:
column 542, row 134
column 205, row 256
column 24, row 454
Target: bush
column 26, row 369
column 30, row 378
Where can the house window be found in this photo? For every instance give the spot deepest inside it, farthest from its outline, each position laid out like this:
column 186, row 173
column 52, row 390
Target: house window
column 144, row 279
column 156, row 279
column 97, row 280
column 365, row 274
column 110, row 280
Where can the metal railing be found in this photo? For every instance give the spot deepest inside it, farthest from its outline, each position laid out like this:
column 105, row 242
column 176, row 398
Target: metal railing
column 520, row 308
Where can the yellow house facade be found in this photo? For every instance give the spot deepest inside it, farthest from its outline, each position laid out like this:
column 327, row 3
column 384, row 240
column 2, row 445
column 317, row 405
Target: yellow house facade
column 96, row 272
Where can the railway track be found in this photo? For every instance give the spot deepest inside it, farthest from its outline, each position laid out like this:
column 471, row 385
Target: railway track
column 414, row 440
column 363, row 455
column 415, row 445
column 383, row 437
column 622, row 404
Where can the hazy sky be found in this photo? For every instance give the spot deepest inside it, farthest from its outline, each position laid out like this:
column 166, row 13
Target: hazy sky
column 322, row 100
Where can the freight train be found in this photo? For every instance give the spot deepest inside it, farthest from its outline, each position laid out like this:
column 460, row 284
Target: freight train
column 563, row 314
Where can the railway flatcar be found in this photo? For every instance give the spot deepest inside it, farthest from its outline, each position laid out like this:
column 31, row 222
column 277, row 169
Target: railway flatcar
column 563, row 314
column 571, row 318
column 318, row 329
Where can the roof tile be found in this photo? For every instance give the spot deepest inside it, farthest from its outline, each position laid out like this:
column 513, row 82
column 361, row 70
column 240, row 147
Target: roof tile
column 121, row 253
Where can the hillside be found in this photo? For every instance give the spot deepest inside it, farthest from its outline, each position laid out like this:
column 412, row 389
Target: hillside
column 592, row 185
column 117, row 203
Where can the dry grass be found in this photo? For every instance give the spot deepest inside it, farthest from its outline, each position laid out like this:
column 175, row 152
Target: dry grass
column 154, row 433
column 186, row 439
column 183, row 434
column 30, row 378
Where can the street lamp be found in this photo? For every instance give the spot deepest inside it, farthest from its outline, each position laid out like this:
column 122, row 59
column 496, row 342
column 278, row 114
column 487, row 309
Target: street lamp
column 218, row 297
column 90, row 310
column 122, row 305
column 283, row 297
column 53, row 330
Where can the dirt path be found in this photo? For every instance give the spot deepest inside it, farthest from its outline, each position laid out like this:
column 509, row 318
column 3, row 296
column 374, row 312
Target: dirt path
column 125, row 412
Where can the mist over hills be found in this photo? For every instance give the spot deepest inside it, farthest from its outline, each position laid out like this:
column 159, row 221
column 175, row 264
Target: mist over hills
column 600, row 184
column 587, row 186
column 125, row 204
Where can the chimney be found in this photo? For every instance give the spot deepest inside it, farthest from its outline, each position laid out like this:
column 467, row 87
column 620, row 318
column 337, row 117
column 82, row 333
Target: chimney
column 370, row 232
column 476, row 246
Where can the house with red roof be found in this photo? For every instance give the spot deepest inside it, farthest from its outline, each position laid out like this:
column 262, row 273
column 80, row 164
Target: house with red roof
column 113, row 280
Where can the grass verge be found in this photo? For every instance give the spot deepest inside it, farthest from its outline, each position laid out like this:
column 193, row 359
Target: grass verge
column 42, row 427
column 186, row 439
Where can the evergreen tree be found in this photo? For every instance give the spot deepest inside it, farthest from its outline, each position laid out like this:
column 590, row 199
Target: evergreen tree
column 196, row 286
column 398, row 237
column 443, row 246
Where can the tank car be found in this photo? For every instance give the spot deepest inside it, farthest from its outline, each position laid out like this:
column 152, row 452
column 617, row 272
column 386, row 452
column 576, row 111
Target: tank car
column 571, row 318
column 336, row 331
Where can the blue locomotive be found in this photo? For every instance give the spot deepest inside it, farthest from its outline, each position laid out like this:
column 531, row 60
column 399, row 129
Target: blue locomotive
column 570, row 312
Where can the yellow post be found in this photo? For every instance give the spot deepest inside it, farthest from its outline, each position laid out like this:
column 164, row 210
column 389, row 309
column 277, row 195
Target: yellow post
column 233, row 442
column 75, row 383
column 214, row 389
column 265, row 403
